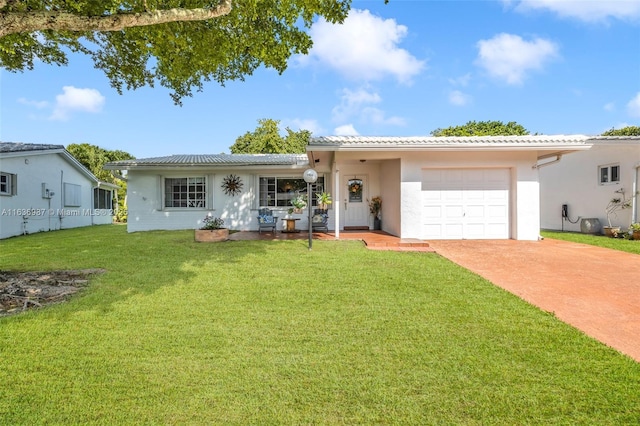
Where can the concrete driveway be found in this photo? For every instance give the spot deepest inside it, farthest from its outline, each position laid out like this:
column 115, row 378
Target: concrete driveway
column 594, row 289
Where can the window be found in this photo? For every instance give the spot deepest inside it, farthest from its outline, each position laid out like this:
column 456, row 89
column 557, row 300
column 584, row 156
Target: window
column 72, row 194
column 609, row 174
column 185, row 192
column 102, row 199
column 279, row 191
column 8, row 184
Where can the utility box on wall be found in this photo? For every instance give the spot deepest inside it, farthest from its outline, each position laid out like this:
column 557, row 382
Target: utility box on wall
column 46, row 193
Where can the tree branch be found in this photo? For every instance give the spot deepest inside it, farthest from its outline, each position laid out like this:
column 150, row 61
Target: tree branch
column 14, row 22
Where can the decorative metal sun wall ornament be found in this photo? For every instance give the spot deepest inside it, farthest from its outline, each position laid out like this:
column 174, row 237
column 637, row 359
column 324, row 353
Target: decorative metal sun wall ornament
column 232, row 185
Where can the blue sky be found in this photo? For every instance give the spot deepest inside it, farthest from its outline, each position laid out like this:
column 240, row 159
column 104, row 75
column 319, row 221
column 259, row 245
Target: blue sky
column 401, row 69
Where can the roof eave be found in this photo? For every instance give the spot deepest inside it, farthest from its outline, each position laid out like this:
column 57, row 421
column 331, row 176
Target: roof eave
column 32, row 152
column 450, row 147
column 164, row 166
column 102, row 184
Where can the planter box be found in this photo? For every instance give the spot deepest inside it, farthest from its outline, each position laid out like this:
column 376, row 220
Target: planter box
column 211, row 235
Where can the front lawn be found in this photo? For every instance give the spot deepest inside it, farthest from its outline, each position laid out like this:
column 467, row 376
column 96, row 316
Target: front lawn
column 630, row 246
column 254, row 332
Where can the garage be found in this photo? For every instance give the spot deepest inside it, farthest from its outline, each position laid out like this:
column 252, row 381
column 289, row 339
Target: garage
column 465, row 203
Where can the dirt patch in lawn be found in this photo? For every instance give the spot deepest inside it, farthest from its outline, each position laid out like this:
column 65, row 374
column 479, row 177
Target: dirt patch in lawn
column 20, row 291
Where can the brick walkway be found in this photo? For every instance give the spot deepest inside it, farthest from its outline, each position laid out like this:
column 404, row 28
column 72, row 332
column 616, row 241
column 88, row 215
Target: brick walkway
column 594, row 289
column 375, row 240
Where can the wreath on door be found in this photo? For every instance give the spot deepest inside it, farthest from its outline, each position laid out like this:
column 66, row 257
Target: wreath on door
column 355, row 187
column 232, row 185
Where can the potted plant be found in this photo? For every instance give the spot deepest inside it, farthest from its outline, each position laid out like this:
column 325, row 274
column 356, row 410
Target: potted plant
column 375, row 208
column 212, row 230
column 323, row 199
column 634, row 230
column 299, row 203
column 615, row 204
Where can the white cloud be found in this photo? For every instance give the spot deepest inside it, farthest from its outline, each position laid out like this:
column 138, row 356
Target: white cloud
column 364, row 47
column 610, row 106
column 352, row 102
column 305, row 124
column 359, row 103
column 633, row 107
column 461, row 81
column 458, row 98
column 75, row 99
column 377, row 116
column 36, row 104
column 584, row 10
column 509, row 57
column 346, row 130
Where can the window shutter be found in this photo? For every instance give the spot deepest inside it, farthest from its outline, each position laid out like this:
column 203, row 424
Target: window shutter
column 72, row 194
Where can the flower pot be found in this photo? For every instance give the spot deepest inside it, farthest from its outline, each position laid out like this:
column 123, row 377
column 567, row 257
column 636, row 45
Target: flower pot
column 377, row 224
column 211, row 235
column 297, row 211
column 611, row 231
column 636, row 235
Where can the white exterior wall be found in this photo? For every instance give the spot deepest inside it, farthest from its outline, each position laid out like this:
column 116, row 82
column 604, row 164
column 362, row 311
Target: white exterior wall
column 146, row 209
column 524, row 202
column 29, row 212
column 391, row 197
column 574, row 181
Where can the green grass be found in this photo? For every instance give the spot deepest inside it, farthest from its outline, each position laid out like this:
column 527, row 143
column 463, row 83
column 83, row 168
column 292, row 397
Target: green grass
column 630, row 246
column 257, row 332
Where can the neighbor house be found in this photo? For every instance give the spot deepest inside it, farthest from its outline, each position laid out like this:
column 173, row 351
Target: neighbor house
column 586, row 181
column 431, row 187
column 44, row 188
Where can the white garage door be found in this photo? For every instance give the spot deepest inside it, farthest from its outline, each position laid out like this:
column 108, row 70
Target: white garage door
column 465, row 203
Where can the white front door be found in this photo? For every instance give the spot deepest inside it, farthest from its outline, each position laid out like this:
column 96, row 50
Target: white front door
column 354, row 203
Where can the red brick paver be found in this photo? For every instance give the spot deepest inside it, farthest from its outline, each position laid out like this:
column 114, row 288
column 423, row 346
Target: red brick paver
column 374, row 240
column 594, row 289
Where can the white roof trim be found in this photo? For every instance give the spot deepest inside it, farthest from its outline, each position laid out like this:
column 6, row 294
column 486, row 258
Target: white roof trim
column 374, row 143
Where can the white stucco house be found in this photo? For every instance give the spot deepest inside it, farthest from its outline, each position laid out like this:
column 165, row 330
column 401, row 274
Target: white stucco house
column 586, row 181
column 44, row 188
column 431, row 187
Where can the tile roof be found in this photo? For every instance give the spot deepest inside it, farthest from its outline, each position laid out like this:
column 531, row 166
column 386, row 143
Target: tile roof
column 26, row 147
column 216, row 160
column 433, row 141
column 615, row 139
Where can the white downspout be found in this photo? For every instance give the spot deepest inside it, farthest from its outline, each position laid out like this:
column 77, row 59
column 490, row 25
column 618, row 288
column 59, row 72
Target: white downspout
column 634, row 200
column 92, row 208
column 336, row 191
column 61, row 213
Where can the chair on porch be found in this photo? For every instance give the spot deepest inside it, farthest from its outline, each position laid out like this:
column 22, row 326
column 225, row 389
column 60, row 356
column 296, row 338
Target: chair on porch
column 320, row 221
column 266, row 220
